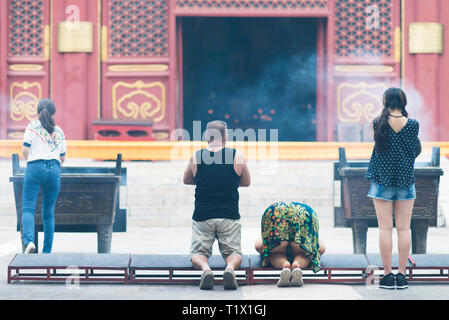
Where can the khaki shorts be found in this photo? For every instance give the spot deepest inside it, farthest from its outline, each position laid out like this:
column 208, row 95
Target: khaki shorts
column 226, row 231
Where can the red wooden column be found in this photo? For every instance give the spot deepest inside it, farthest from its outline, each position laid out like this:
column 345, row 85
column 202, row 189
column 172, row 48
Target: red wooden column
column 3, row 52
column 321, row 80
column 75, row 63
column 425, row 79
column 444, row 76
column 328, row 99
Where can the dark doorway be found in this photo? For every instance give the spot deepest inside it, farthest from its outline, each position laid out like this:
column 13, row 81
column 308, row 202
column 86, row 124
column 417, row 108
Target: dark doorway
column 255, row 73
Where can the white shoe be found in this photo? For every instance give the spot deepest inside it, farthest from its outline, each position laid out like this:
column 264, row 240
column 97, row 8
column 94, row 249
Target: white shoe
column 30, row 248
column 284, row 279
column 297, row 278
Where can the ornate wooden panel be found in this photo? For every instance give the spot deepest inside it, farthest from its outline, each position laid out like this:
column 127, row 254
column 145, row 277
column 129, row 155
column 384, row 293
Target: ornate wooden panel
column 138, row 28
column 26, row 37
column 24, row 97
column 364, row 28
column 367, row 46
column 139, row 100
column 136, row 63
column 27, row 70
column 252, row 4
column 359, row 101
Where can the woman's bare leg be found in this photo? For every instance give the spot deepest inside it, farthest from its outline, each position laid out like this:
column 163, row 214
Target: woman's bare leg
column 258, row 245
column 384, row 211
column 278, row 259
column 278, row 256
column 403, row 214
column 299, row 260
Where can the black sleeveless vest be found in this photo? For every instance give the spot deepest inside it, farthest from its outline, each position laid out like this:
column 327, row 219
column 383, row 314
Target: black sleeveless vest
column 216, row 193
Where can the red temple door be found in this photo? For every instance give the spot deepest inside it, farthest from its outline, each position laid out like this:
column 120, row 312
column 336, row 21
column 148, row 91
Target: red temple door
column 137, row 68
column 24, row 63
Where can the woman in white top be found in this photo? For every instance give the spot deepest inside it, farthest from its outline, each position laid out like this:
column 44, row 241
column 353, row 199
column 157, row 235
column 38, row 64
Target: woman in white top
column 44, row 149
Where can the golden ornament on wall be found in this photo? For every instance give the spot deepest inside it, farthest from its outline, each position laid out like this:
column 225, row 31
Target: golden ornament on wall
column 24, row 98
column 138, row 100
column 359, row 102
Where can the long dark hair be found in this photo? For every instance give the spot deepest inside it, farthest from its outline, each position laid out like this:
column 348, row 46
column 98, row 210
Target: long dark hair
column 393, row 99
column 46, row 109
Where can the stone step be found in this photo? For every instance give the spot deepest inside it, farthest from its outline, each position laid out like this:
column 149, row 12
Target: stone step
column 7, row 211
column 8, row 221
column 161, row 200
column 254, row 211
column 168, row 222
column 141, row 188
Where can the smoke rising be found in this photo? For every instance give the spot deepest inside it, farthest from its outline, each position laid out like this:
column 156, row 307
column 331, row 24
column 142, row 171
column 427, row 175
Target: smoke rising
column 253, row 73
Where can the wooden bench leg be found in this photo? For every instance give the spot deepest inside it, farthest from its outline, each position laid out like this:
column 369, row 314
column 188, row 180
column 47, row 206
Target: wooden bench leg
column 359, row 230
column 104, row 238
column 419, row 236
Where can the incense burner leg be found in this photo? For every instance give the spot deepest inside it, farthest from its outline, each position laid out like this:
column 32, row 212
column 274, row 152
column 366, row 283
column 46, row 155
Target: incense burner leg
column 104, row 236
column 419, row 236
column 359, row 230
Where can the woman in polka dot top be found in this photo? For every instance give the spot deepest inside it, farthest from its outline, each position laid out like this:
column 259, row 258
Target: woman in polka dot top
column 391, row 172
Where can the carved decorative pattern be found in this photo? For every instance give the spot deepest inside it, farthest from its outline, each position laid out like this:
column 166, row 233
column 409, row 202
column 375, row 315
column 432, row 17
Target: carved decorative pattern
column 359, row 102
column 138, row 100
column 24, row 98
column 356, row 38
column 26, row 28
column 252, row 4
column 138, row 28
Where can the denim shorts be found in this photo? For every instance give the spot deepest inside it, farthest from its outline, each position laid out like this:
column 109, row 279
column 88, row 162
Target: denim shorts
column 377, row 191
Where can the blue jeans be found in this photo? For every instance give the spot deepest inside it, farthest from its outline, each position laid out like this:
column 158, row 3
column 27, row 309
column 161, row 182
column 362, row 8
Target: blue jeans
column 45, row 174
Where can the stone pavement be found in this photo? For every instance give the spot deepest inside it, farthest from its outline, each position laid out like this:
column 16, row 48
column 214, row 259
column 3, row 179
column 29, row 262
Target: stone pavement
column 159, row 218
column 176, row 241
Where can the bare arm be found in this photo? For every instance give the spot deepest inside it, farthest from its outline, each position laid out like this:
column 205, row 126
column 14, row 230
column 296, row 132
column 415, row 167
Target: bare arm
column 189, row 173
column 241, row 169
column 62, row 159
column 25, row 152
